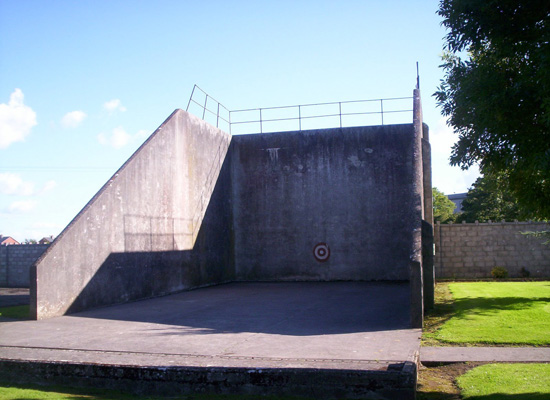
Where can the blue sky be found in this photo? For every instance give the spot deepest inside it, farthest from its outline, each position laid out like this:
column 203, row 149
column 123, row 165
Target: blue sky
column 84, row 83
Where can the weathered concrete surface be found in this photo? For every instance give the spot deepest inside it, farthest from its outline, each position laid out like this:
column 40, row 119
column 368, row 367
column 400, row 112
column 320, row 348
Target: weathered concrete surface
column 397, row 383
column 323, row 339
column 428, row 270
column 160, row 225
column 350, row 188
column 417, row 211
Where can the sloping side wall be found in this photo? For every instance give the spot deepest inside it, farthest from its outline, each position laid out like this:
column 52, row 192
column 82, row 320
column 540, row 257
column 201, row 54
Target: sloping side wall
column 351, row 188
column 160, row 225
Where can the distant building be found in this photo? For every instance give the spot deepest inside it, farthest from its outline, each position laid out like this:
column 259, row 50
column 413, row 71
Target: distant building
column 7, row 240
column 457, row 198
column 46, row 240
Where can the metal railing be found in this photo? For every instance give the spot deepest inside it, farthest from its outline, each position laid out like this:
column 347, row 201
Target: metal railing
column 220, row 109
column 294, row 117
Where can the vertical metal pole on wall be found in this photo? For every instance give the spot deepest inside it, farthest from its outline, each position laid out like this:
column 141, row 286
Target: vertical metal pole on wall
column 204, row 109
column 340, row 109
column 382, row 110
column 192, row 92
column 300, row 117
column 218, row 116
column 230, row 122
column 261, row 129
column 417, row 77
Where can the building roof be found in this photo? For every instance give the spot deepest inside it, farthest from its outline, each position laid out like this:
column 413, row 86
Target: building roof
column 7, row 240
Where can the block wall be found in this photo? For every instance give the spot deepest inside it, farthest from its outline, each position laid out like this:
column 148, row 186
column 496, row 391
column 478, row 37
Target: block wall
column 473, row 250
column 16, row 262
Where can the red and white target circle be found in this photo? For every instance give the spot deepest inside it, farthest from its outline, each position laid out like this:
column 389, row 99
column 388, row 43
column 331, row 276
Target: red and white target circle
column 321, row 252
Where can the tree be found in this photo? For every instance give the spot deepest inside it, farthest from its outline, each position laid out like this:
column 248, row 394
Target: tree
column 443, row 207
column 30, row 241
column 496, row 92
column 490, row 199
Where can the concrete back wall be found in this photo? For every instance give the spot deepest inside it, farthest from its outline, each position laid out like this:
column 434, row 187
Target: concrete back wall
column 473, row 250
column 16, row 262
column 160, row 225
column 350, row 188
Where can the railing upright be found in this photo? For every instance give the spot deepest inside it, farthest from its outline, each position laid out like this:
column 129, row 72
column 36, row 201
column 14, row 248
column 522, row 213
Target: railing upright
column 205, row 103
column 190, row 98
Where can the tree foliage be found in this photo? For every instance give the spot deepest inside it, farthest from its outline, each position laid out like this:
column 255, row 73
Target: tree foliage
column 496, row 92
column 443, row 207
column 489, row 198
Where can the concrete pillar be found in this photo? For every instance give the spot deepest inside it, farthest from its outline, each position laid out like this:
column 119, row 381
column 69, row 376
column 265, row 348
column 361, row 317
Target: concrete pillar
column 427, row 231
column 428, row 274
column 416, row 279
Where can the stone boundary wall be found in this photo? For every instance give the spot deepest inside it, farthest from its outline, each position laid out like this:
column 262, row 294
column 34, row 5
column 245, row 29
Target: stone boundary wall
column 16, row 261
column 473, row 250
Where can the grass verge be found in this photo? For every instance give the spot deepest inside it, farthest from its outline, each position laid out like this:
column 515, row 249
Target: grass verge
column 442, row 312
column 34, row 392
column 506, row 382
column 15, row 312
column 490, row 313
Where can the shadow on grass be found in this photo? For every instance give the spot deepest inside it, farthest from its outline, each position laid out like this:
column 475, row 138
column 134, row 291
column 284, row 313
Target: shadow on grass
column 464, row 308
column 442, row 311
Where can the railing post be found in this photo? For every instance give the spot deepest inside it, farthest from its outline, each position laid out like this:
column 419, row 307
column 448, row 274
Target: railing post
column 230, row 122
column 340, row 109
column 218, row 116
column 300, row 117
column 192, row 92
column 382, row 110
column 204, row 109
column 261, row 129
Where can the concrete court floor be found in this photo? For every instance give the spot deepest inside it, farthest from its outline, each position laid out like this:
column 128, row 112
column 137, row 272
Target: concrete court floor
column 332, row 325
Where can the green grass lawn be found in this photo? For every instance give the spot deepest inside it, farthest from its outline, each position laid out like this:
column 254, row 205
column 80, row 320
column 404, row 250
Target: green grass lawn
column 506, row 382
column 59, row 393
column 17, row 312
column 498, row 313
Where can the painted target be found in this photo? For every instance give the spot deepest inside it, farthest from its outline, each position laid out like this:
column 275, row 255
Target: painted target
column 321, row 252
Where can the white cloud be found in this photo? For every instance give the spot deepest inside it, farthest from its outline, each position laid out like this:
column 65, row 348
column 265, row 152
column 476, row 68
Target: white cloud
column 73, row 119
column 49, row 185
column 141, row 135
column 22, row 206
column 447, row 178
column 16, row 120
column 12, row 184
column 117, row 139
column 114, row 105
